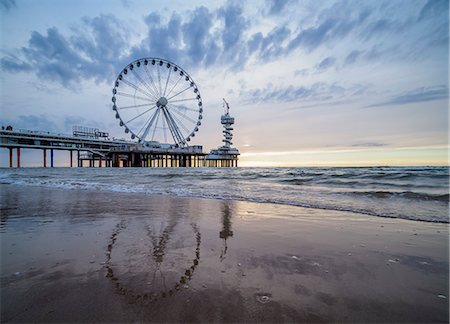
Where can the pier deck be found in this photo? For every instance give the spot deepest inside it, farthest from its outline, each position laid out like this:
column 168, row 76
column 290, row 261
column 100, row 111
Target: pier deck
column 105, row 152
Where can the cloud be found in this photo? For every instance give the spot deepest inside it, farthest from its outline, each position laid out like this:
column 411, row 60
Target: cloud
column 12, row 63
column 52, row 57
column 326, row 63
column 104, row 38
column 319, row 68
column 302, row 72
column 203, row 37
column 352, row 57
column 7, row 4
column 333, row 23
column 42, row 121
column 312, row 37
column 275, row 7
column 100, row 46
column 369, row 144
column 235, row 25
column 196, row 35
column 434, row 8
column 422, row 94
column 270, row 46
column 379, row 27
column 91, row 53
column 162, row 40
column 318, row 92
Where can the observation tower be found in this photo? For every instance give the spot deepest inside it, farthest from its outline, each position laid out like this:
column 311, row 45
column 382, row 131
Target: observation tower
column 226, row 155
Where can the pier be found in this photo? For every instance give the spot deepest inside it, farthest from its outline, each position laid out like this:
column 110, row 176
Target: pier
column 153, row 116
column 91, row 148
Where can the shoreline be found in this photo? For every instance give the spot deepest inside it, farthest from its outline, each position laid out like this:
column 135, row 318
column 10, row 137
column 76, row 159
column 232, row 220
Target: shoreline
column 255, row 201
column 221, row 260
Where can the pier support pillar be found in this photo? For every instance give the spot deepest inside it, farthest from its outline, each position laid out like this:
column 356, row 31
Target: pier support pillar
column 78, row 159
column 100, row 162
column 45, row 157
column 18, row 157
column 51, row 158
column 10, row 157
column 71, row 158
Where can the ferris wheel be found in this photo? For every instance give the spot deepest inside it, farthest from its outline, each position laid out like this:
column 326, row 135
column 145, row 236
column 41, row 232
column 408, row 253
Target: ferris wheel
column 157, row 101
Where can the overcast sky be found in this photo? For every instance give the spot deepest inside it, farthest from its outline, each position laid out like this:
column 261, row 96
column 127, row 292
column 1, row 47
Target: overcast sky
column 309, row 82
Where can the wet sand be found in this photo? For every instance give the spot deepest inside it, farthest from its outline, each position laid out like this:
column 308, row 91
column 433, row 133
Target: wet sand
column 80, row 256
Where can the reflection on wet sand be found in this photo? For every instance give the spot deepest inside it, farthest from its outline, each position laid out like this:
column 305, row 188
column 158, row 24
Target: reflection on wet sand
column 283, row 264
column 226, row 231
column 159, row 245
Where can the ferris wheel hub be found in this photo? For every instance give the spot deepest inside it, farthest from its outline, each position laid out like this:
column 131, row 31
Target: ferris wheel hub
column 162, row 102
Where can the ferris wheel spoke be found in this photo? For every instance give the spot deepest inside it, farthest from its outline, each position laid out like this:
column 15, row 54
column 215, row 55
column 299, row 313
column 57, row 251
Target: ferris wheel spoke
column 151, row 79
column 134, row 106
column 176, row 131
column 141, row 114
column 167, row 81
column 156, row 124
column 143, row 126
column 149, row 124
column 188, row 99
column 165, row 129
column 159, row 79
column 132, row 96
column 144, row 84
column 182, row 125
column 175, row 85
column 179, row 93
column 137, row 88
column 184, row 116
column 171, row 129
column 183, row 108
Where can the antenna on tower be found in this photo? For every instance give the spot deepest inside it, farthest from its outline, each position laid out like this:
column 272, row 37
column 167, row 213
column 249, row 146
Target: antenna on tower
column 226, row 106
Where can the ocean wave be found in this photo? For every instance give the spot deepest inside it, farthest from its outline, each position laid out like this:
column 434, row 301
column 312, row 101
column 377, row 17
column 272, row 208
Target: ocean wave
column 406, row 193
column 403, row 194
column 343, row 183
column 254, row 196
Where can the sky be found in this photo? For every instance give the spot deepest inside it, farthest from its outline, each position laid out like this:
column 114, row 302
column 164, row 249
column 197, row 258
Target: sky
column 310, row 83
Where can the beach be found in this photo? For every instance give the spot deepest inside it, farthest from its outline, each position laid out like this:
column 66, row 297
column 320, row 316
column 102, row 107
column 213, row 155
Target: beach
column 98, row 256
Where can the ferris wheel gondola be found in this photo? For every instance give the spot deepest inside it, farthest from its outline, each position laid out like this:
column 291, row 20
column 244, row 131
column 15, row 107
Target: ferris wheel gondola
column 157, row 101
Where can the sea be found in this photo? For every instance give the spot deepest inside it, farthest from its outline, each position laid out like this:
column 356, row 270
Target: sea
column 413, row 193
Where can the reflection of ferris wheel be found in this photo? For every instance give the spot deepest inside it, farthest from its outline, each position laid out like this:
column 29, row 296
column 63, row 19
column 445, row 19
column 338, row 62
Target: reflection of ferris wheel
column 156, row 100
